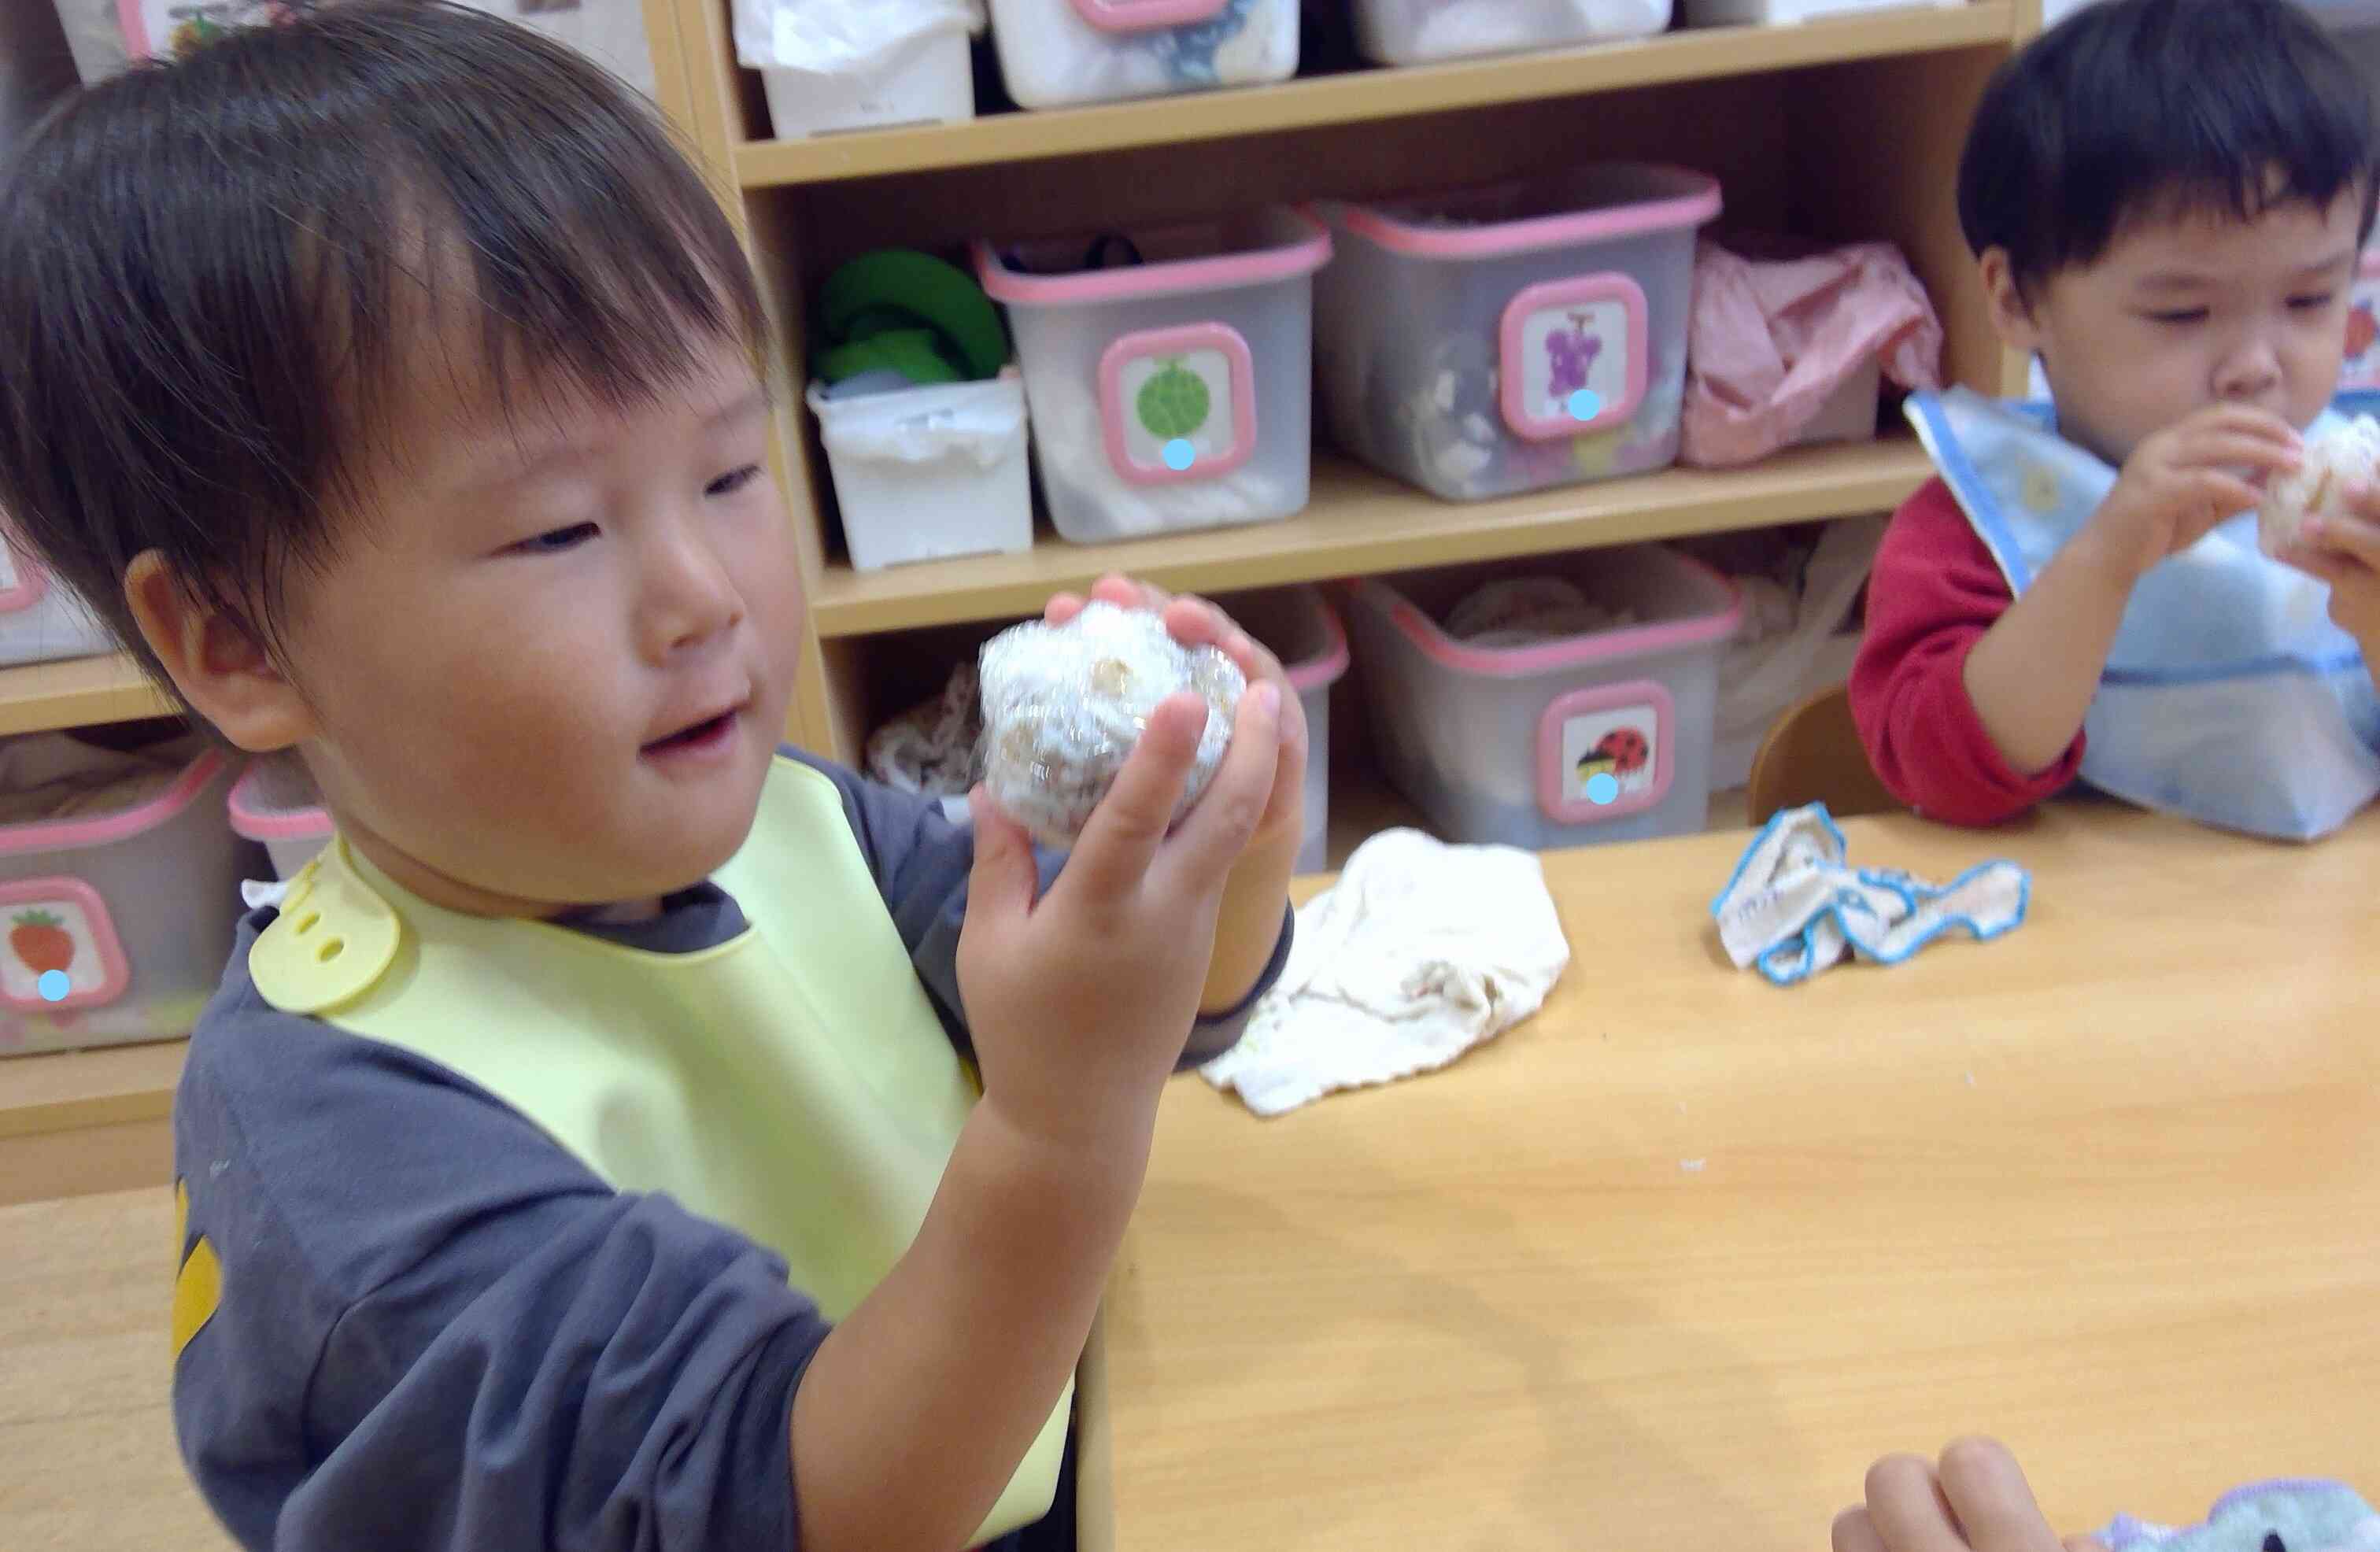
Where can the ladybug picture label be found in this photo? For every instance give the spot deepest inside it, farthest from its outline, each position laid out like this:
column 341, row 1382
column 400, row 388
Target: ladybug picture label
column 1609, row 754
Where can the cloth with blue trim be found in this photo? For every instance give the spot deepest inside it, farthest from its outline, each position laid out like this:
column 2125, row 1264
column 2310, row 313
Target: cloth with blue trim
column 1796, row 906
column 2305, row 1515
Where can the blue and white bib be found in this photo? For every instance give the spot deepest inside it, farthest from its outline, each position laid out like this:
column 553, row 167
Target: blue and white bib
column 2229, row 697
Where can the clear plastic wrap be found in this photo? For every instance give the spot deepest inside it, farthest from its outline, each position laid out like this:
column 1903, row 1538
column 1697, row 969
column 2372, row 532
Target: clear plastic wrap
column 2336, row 458
column 1063, row 705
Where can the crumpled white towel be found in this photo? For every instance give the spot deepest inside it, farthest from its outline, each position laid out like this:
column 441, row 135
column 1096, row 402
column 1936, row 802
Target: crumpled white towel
column 1418, row 952
column 1795, row 907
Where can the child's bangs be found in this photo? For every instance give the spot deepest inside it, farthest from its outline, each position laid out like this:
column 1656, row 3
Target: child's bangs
column 576, row 277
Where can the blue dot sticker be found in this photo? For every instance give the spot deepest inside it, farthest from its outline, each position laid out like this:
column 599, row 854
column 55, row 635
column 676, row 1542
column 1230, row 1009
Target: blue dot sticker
column 1585, row 404
column 53, row 985
column 1179, row 454
column 1601, row 788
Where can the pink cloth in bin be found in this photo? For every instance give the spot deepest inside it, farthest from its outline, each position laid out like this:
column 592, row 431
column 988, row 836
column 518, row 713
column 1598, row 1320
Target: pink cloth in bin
column 1772, row 338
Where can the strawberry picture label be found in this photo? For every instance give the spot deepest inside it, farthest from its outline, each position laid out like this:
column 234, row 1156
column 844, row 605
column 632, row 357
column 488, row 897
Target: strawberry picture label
column 61, row 949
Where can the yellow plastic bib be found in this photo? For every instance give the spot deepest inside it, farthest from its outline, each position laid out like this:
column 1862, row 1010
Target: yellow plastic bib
column 792, row 1082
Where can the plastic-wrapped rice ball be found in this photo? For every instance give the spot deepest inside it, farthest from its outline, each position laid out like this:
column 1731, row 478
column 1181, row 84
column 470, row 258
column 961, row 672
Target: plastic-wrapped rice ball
column 2317, row 487
column 1063, row 705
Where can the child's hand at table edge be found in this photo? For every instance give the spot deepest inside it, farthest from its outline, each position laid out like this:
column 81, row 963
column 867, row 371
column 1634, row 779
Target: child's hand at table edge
column 1248, row 927
column 2345, row 552
column 1973, row 1499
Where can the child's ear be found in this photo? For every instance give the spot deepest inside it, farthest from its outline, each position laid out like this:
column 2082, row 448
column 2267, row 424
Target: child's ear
column 2012, row 314
column 214, row 660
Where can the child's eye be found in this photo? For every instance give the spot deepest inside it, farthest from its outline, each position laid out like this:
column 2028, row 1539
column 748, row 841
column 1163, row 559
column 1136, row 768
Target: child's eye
column 2311, row 304
column 728, row 484
column 559, row 539
column 2180, row 316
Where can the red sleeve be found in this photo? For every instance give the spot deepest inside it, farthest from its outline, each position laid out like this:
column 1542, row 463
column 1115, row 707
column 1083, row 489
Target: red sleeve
column 1934, row 591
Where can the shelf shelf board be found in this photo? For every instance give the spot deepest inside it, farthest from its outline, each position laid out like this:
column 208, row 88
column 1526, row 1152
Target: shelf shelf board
column 1360, row 522
column 78, row 692
column 1693, row 53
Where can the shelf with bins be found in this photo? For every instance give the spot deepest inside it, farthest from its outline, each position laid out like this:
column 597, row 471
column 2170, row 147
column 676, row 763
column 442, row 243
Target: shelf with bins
column 1360, row 94
column 1788, row 119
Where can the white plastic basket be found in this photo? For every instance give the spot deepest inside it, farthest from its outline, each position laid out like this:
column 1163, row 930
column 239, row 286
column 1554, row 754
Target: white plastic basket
column 1420, row 32
column 925, row 474
column 930, row 80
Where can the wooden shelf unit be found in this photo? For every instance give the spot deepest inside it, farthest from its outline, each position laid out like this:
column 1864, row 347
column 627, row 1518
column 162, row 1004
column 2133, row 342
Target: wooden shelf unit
column 1791, row 120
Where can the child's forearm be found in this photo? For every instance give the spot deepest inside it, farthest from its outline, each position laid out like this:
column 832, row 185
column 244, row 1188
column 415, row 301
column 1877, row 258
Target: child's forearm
column 1247, row 928
column 918, row 1407
column 2033, row 674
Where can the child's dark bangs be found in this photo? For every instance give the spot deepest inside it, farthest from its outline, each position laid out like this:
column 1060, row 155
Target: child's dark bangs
column 596, row 258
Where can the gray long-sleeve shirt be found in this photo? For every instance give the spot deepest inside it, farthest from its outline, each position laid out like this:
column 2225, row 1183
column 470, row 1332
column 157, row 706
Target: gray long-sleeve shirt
column 435, row 1329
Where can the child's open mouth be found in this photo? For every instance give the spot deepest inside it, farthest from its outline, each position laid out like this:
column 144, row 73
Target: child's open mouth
column 706, row 735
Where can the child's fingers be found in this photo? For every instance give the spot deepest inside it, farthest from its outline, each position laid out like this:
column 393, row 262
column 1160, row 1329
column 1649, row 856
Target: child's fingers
column 1001, row 884
column 1856, row 1532
column 1125, row 830
column 2244, row 421
column 2216, row 496
column 1905, row 1501
column 1219, row 828
column 2351, row 537
column 2318, row 563
column 1127, row 593
column 1994, row 1504
column 1062, row 608
column 2237, row 447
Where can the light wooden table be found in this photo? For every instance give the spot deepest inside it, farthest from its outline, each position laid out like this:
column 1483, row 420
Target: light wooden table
column 1668, row 1267
column 1665, row 1267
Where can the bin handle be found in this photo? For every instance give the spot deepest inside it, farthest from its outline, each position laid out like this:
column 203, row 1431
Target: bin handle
column 1146, row 15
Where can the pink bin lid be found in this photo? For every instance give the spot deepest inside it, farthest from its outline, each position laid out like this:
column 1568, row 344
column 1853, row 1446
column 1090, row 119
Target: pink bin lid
column 1598, row 204
column 273, row 800
column 1715, row 624
column 1278, row 244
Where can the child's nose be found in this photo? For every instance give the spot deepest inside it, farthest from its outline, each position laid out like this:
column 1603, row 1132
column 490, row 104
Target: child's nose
column 2250, row 369
column 690, row 595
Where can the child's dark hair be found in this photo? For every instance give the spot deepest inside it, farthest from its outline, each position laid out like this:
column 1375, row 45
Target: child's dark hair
column 2145, row 107
column 204, row 269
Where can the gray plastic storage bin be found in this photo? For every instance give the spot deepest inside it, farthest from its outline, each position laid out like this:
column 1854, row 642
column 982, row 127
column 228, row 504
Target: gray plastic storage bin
column 1512, row 338
column 1568, row 742
column 1298, row 625
column 117, row 913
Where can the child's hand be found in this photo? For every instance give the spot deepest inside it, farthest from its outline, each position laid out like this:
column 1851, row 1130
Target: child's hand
column 2345, row 552
column 1975, row 1501
column 1193, row 622
column 2199, row 472
column 1079, row 1001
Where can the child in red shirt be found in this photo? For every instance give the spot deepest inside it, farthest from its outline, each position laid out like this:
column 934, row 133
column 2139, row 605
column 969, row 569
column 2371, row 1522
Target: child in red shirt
column 2167, row 198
